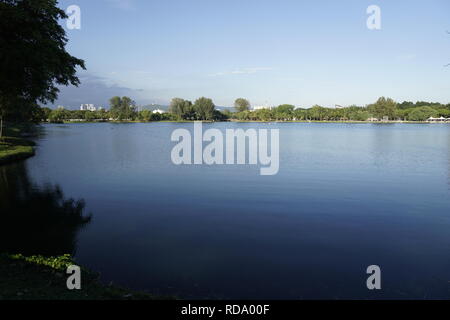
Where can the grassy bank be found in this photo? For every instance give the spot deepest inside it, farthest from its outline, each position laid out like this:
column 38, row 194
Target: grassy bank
column 44, row 278
column 13, row 145
column 15, row 149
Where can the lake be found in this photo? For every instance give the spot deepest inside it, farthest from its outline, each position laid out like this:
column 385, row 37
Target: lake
column 346, row 196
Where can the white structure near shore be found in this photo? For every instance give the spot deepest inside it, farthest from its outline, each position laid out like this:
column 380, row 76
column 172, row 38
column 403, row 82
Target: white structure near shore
column 88, row 107
column 441, row 119
column 261, row 108
column 159, row 111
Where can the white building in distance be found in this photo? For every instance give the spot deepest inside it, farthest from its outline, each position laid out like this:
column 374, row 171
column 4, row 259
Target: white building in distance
column 87, row 107
column 159, row 111
column 261, row 108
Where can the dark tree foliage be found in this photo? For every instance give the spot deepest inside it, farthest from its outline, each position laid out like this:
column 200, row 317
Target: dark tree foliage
column 33, row 59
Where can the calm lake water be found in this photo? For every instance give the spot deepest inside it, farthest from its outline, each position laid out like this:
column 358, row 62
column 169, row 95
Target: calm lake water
column 346, row 196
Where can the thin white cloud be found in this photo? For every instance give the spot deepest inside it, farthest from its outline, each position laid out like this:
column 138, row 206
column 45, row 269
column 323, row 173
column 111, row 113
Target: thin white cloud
column 242, row 71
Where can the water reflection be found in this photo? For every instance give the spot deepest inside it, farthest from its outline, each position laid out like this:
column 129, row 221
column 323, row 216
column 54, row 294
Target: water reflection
column 448, row 161
column 34, row 219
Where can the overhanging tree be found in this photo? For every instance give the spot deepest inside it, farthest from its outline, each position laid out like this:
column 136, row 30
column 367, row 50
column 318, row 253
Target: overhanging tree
column 33, row 58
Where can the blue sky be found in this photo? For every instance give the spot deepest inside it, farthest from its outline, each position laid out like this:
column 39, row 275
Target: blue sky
column 270, row 52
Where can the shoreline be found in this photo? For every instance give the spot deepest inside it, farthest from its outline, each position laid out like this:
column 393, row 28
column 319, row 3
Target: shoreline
column 44, row 278
column 251, row 121
column 14, row 149
column 16, row 144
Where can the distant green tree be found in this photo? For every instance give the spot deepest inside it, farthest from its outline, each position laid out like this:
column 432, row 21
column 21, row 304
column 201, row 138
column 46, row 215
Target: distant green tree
column 406, row 105
column 89, row 116
column 122, row 108
column 176, row 106
column 316, row 112
column 103, row 114
column 156, row 116
column 360, row 115
column 285, row 108
column 58, row 115
column 241, row 105
column 33, row 59
column 384, row 107
column 227, row 113
column 422, row 113
column 219, row 115
column 402, row 113
column 284, row 112
column 204, row 108
column 182, row 108
column 263, row 114
column 244, row 115
column 300, row 114
column 444, row 112
column 145, row 115
column 168, row 117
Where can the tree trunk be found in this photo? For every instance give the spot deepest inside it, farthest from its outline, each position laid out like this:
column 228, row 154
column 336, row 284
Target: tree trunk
column 1, row 127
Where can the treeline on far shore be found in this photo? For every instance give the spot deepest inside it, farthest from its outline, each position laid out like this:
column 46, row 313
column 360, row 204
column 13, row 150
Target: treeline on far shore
column 125, row 109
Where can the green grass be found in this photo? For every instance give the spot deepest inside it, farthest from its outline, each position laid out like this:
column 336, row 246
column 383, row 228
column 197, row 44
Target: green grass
column 15, row 149
column 44, row 278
